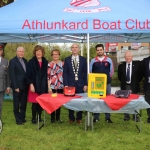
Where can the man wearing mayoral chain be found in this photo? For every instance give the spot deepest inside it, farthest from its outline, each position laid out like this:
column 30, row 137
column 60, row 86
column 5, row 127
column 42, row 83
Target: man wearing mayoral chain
column 75, row 74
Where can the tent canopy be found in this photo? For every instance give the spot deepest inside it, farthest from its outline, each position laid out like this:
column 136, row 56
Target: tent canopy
column 71, row 20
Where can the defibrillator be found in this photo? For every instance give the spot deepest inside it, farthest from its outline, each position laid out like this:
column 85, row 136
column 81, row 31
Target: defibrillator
column 97, row 83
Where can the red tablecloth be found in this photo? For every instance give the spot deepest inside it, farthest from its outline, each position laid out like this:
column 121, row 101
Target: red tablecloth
column 117, row 103
column 50, row 104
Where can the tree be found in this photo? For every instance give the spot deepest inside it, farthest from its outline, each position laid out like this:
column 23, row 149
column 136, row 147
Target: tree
column 5, row 2
column 92, row 50
column 10, row 50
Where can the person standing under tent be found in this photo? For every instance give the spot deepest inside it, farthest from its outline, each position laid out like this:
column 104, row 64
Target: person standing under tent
column 17, row 69
column 102, row 64
column 4, row 78
column 36, row 76
column 55, row 80
column 146, row 73
column 130, row 75
column 75, row 74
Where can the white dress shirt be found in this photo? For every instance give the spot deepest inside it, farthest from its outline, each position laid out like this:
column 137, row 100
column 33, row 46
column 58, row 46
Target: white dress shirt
column 0, row 59
column 77, row 57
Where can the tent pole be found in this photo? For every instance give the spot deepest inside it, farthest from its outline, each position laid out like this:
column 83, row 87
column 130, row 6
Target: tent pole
column 81, row 49
column 88, row 55
column 88, row 70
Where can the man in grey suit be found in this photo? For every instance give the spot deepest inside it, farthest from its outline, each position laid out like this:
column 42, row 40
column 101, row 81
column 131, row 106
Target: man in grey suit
column 4, row 78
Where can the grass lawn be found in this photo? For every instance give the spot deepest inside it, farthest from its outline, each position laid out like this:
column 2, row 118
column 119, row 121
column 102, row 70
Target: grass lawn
column 119, row 135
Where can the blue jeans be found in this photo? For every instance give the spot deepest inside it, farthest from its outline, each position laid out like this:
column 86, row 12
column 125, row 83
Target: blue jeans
column 107, row 115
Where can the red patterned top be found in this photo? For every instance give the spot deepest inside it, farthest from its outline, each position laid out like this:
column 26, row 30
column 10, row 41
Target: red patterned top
column 55, row 74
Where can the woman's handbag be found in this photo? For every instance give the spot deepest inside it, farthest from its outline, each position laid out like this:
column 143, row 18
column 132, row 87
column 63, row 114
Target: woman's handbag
column 69, row 91
column 8, row 97
column 122, row 93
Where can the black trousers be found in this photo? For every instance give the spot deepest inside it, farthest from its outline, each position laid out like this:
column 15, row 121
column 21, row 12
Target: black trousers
column 36, row 109
column 20, row 104
column 79, row 113
column 128, row 87
column 56, row 114
column 147, row 98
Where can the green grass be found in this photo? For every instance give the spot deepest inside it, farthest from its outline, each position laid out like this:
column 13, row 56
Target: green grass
column 117, row 136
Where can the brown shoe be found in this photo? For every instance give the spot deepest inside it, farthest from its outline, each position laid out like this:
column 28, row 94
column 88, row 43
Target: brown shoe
column 79, row 121
column 71, row 121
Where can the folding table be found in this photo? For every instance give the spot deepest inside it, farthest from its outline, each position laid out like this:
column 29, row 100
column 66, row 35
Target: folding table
column 94, row 105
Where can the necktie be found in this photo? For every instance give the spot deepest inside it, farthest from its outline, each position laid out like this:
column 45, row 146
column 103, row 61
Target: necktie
column 128, row 73
column 23, row 65
column 75, row 62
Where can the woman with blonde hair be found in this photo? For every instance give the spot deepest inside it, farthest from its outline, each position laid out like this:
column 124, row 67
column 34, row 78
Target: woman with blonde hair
column 55, row 80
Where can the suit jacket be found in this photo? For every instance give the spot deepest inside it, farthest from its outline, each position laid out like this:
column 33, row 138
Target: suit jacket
column 4, row 74
column 136, row 76
column 145, row 65
column 69, row 76
column 17, row 73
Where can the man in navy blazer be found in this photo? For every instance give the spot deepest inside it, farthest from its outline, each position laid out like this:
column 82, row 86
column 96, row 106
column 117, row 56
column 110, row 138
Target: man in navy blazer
column 135, row 77
column 17, row 69
column 75, row 74
column 146, row 72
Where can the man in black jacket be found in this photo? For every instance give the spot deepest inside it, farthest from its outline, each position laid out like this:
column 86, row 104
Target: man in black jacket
column 130, row 75
column 17, row 69
column 146, row 72
column 75, row 74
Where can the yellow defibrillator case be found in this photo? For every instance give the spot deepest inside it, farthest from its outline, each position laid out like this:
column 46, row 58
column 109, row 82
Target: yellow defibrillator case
column 97, row 83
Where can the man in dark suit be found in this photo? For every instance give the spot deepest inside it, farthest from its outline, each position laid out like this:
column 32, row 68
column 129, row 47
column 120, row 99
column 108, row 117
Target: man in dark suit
column 146, row 72
column 75, row 74
column 130, row 75
column 4, row 78
column 17, row 69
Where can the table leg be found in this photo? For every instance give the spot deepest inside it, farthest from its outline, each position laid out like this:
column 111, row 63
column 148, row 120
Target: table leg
column 38, row 122
column 92, row 121
column 140, row 115
column 85, row 127
column 88, row 119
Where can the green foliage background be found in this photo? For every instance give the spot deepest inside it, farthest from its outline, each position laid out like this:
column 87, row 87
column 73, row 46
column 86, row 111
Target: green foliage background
column 10, row 50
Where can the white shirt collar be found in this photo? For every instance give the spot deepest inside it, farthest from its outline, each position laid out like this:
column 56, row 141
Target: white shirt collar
column 129, row 63
column 0, row 59
column 73, row 57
